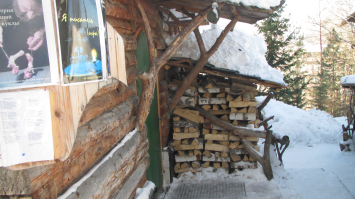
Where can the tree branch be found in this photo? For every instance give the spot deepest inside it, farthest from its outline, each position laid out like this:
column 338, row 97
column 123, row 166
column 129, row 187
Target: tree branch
column 250, row 150
column 268, row 98
column 198, row 36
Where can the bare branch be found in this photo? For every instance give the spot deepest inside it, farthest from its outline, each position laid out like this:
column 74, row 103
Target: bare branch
column 268, row 98
column 250, row 150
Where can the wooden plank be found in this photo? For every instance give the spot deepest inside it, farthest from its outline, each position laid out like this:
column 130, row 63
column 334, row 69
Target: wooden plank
column 241, row 104
column 189, row 114
column 242, row 116
column 204, row 101
column 117, row 55
column 90, row 90
column 216, row 147
column 78, row 103
column 185, row 135
column 218, row 137
column 213, row 90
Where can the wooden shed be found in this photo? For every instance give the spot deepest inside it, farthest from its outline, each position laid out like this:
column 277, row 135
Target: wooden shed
column 95, row 143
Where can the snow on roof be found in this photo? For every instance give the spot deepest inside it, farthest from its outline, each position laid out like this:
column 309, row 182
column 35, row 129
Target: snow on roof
column 239, row 51
column 266, row 4
column 348, row 80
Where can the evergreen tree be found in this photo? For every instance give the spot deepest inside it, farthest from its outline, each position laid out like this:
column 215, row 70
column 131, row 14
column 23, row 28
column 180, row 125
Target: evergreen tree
column 285, row 52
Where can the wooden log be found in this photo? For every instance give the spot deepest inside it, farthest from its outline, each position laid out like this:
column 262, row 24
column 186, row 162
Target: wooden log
column 244, row 165
column 206, row 107
column 237, row 86
column 219, row 112
column 185, row 142
column 186, row 158
column 186, row 130
column 207, row 95
column 214, row 158
column 187, row 101
column 197, row 153
column 177, row 166
column 242, row 116
column 238, row 151
column 212, row 126
column 224, row 107
column 224, row 154
column 221, row 95
column 216, row 147
column 182, row 124
column 207, row 154
column 188, row 170
column 189, row 147
column 230, row 127
column 181, row 153
column 225, row 165
column 176, row 143
column 189, row 114
column 233, row 145
column 216, row 165
column 205, row 131
column 192, row 130
column 241, row 104
column 176, row 118
column 216, row 137
column 229, row 98
column 206, row 164
column 203, row 101
column 236, row 138
column 217, row 154
column 213, row 90
column 185, row 165
column 190, row 92
column 196, row 165
column 191, row 153
column 215, row 107
column 236, row 158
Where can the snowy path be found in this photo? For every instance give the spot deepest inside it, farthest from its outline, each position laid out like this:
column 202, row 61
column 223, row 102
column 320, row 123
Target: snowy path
column 321, row 171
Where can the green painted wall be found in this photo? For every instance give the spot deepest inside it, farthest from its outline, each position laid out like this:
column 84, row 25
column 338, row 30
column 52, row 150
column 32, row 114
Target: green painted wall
column 154, row 172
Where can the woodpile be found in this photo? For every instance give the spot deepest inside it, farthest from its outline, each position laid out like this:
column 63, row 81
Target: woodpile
column 198, row 142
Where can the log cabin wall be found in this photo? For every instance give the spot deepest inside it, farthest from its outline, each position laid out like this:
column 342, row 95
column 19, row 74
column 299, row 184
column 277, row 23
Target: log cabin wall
column 106, row 119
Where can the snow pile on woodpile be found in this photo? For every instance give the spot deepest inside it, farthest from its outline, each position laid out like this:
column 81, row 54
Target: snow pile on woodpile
column 348, row 80
column 266, row 4
column 308, row 127
column 239, row 51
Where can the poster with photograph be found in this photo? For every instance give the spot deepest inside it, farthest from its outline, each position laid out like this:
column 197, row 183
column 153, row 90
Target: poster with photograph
column 25, row 127
column 81, row 33
column 28, row 55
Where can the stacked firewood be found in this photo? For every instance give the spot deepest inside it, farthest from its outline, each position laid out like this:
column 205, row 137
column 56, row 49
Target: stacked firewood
column 230, row 101
column 188, row 143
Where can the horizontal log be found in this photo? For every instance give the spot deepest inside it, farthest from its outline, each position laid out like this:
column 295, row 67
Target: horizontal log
column 187, row 101
column 213, row 90
column 213, row 158
column 190, row 147
column 218, row 137
column 188, row 170
column 238, row 151
column 191, row 92
column 235, row 138
column 204, row 101
column 244, row 165
column 98, row 105
column 63, row 174
column 185, row 135
column 186, row 158
column 182, row 124
column 212, row 126
column 219, row 112
column 216, row 147
column 241, row 104
column 242, row 116
column 230, row 127
column 111, row 174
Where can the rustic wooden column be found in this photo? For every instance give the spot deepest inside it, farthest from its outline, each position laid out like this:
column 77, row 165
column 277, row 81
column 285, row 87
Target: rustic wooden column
column 149, row 79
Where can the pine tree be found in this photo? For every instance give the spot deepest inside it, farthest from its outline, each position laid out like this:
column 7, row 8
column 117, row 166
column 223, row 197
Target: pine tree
column 285, row 52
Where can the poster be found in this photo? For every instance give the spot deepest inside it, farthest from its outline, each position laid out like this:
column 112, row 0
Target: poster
column 25, row 127
column 28, row 55
column 81, row 33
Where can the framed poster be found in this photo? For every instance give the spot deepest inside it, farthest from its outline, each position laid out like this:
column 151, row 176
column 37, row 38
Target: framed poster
column 28, row 55
column 81, row 35
column 25, row 127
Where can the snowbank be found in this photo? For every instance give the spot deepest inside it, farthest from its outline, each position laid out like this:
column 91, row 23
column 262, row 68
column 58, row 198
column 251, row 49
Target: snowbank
column 239, row 51
column 303, row 127
column 348, row 80
column 266, row 4
column 146, row 191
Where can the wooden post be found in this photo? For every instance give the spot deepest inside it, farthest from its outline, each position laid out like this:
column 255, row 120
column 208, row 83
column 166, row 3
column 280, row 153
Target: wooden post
column 149, row 79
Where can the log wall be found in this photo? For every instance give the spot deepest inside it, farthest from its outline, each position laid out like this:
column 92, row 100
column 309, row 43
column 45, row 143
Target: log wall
column 106, row 119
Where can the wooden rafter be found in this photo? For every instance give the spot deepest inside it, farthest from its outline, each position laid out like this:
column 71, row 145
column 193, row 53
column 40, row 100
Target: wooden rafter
column 149, row 78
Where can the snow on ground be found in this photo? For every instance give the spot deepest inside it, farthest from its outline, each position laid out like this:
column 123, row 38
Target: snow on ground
column 239, row 51
column 302, row 127
column 146, row 191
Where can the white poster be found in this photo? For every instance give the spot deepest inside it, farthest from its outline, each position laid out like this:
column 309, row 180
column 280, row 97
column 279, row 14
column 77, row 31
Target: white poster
column 25, row 127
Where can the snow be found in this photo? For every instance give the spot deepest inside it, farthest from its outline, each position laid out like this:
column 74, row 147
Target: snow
column 349, row 79
column 75, row 186
column 302, row 127
column 239, row 51
column 266, row 4
column 145, row 191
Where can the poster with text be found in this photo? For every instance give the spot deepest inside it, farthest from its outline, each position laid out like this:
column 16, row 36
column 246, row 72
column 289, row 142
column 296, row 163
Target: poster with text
column 28, row 55
column 82, row 40
column 25, row 127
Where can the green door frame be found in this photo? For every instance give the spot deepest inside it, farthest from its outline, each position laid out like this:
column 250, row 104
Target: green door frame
column 154, row 172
